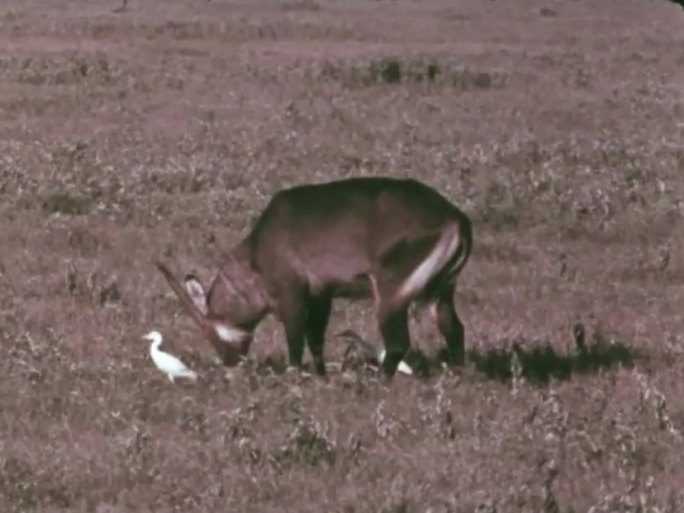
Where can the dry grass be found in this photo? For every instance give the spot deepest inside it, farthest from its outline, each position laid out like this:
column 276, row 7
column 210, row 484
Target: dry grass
column 160, row 132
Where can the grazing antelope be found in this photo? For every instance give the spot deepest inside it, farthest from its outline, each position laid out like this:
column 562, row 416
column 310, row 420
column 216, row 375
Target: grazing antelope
column 396, row 240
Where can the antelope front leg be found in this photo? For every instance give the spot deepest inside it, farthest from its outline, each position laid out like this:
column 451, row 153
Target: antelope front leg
column 292, row 308
column 317, row 322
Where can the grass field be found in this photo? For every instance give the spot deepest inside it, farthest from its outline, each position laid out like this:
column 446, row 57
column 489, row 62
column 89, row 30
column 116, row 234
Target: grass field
column 160, row 131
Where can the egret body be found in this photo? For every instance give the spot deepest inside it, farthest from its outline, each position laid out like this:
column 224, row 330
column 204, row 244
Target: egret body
column 165, row 362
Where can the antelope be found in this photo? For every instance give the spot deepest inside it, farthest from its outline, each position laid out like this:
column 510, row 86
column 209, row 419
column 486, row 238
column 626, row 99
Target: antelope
column 397, row 241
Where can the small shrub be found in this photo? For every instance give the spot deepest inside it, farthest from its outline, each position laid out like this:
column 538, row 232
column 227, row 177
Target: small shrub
column 432, row 71
column 65, row 203
column 389, row 70
column 307, row 445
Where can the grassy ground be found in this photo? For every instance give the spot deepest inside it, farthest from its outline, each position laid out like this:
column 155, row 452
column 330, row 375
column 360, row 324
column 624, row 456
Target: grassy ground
column 160, row 132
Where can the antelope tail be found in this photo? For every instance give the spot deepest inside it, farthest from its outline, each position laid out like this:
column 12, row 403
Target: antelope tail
column 442, row 254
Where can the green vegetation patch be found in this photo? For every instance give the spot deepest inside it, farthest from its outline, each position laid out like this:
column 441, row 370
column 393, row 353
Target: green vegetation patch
column 389, row 70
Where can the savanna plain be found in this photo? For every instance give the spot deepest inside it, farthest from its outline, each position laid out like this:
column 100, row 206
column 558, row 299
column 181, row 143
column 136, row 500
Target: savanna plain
column 159, row 131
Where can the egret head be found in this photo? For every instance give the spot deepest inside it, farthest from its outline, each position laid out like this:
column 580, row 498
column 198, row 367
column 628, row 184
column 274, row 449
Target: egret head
column 153, row 336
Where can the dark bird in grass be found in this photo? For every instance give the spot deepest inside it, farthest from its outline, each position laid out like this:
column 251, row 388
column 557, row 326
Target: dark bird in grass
column 370, row 352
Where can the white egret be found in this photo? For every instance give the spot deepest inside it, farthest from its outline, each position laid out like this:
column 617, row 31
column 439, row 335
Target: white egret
column 372, row 352
column 165, row 362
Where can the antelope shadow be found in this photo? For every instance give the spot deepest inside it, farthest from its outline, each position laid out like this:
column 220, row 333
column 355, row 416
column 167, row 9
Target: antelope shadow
column 539, row 363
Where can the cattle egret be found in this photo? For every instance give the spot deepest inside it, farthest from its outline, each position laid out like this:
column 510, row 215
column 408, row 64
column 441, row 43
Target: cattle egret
column 372, row 352
column 165, row 362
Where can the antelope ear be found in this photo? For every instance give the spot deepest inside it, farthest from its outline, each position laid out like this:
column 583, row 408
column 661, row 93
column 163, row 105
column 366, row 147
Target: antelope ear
column 196, row 292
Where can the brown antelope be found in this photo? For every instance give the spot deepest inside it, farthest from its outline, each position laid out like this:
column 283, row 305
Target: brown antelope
column 396, row 240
